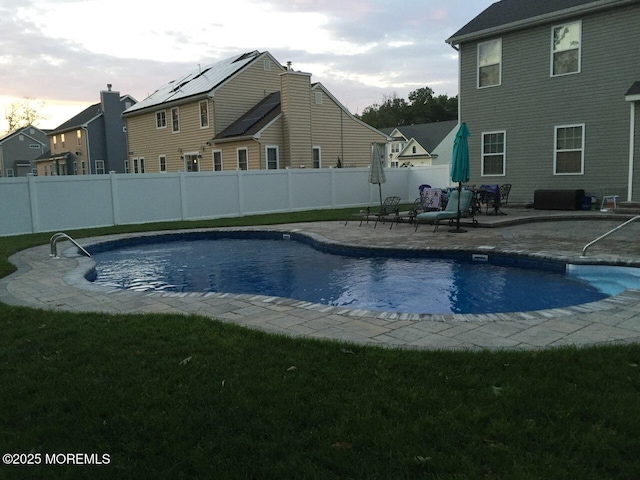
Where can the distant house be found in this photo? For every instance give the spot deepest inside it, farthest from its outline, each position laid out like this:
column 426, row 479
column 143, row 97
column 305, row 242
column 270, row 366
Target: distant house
column 549, row 91
column 422, row 144
column 246, row 112
column 92, row 142
column 19, row 150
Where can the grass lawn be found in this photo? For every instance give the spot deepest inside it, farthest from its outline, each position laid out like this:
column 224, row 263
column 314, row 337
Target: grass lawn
column 173, row 397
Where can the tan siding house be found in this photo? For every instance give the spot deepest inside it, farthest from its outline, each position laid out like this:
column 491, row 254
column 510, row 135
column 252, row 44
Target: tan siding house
column 245, row 113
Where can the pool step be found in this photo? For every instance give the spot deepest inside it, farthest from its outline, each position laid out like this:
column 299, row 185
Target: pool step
column 628, row 208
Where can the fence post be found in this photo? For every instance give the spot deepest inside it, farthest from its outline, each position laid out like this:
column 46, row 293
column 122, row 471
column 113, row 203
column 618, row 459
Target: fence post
column 332, row 201
column 240, row 192
column 289, row 191
column 115, row 201
column 183, row 194
column 33, row 201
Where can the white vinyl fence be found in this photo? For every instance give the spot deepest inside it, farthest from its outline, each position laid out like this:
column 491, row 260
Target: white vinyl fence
column 42, row 204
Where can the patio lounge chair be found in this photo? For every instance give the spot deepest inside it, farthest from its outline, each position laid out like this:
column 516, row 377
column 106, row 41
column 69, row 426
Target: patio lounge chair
column 451, row 212
column 388, row 209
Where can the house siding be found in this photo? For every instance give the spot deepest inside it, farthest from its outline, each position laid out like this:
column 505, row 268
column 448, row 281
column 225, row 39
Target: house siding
column 244, row 91
column 529, row 104
column 296, row 109
column 340, row 136
column 273, row 135
column 327, row 120
column 145, row 140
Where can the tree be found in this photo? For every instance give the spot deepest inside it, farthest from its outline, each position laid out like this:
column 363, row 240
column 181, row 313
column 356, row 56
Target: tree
column 23, row 113
column 423, row 107
column 392, row 112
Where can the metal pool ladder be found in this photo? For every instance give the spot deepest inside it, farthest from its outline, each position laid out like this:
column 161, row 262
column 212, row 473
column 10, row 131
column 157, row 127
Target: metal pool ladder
column 56, row 237
column 584, row 250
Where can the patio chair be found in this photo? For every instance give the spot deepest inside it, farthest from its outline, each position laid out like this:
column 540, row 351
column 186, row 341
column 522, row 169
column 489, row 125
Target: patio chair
column 389, row 208
column 451, row 212
column 410, row 215
column 504, row 193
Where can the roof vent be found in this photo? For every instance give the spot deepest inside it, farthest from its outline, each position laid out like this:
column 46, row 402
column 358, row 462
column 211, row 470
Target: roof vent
column 109, row 87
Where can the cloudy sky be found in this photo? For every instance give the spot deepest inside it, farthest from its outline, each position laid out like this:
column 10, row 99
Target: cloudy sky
column 63, row 52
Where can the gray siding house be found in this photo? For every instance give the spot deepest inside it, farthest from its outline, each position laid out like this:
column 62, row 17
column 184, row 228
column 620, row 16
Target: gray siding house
column 19, row 150
column 549, row 90
column 92, row 142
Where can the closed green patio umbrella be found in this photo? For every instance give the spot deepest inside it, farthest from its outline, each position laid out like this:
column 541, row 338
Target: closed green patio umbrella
column 376, row 172
column 460, row 166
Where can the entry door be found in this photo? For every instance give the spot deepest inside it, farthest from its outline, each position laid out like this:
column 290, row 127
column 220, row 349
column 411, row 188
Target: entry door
column 191, row 162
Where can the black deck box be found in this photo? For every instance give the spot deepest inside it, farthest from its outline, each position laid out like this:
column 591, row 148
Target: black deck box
column 558, row 199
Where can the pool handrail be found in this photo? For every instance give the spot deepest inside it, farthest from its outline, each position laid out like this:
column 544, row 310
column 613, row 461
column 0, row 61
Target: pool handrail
column 584, row 250
column 56, row 237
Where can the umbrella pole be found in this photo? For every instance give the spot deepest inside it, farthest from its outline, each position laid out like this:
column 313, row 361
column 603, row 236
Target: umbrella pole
column 380, row 191
column 458, row 229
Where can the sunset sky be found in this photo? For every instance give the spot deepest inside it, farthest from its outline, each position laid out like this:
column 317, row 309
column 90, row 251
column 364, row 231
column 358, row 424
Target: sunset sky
column 64, row 52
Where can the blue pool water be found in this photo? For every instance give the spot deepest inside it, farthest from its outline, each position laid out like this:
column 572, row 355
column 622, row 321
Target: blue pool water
column 358, row 279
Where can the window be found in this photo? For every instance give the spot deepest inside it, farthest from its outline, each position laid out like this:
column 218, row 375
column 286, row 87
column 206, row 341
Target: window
column 243, row 163
column 126, row 166
column 204, row 114
column 272, row 157
column 55, row 141
column 162, row 160
column 217, row 160
column 489, row 63
column 175, row 120
column 100, row 167
column 21, row 137
column 141, row 164
column 83, row 166
column 135, row 165
column 569, row 150
column 267, row 65
column 34, row 146
column 161, row 119
column 79, row 136
column 9, row 172
column 318, row 98
column 493, row 153
column 62, row 139
column 317, row 157
column 191, row 162
column 75, row 168
column 397, row 147
column 413, row 150
column 565, row 46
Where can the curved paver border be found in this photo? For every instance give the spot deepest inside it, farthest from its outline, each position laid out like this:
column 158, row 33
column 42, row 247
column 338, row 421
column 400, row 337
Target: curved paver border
column 43, row 282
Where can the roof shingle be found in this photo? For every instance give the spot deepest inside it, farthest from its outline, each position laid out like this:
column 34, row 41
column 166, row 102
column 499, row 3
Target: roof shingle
column 507, row 12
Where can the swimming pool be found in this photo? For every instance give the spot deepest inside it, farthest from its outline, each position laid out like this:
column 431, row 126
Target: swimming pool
column 295, row 266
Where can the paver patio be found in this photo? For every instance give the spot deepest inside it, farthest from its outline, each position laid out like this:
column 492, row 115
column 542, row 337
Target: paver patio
column 43, row 282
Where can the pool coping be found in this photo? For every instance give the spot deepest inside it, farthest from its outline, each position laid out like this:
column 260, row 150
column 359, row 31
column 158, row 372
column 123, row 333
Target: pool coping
column 612, row 320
